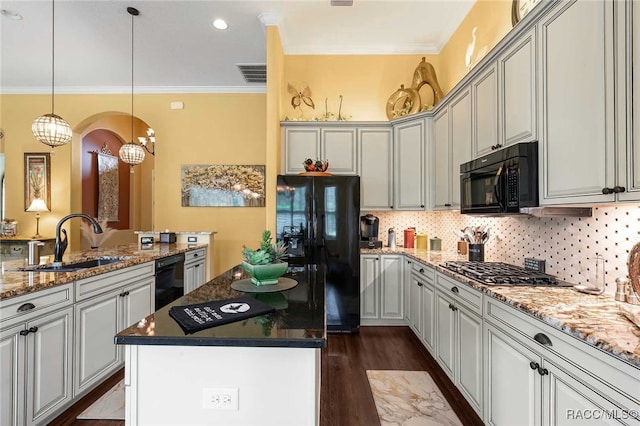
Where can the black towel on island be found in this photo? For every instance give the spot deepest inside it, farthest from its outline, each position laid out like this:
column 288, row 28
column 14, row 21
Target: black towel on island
column 200, row 316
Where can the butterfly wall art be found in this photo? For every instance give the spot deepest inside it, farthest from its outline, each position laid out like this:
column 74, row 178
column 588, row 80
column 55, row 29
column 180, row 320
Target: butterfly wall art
column 300, row 98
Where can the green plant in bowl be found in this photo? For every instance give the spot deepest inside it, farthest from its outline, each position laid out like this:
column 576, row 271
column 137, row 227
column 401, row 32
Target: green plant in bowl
column 265, row 264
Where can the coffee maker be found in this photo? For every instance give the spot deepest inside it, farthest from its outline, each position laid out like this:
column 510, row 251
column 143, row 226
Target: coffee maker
column 369, row 232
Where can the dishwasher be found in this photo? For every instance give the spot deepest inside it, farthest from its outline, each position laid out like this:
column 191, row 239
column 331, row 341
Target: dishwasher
column 169, row 279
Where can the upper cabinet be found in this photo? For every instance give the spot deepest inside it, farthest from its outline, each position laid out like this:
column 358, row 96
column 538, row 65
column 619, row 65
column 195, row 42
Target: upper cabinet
column 627, row 36
column 518, row 96
column 375, row 148
column 337, row 144
column 451, row 147
column 485, row 111
column 409, row 141
column 577, row 103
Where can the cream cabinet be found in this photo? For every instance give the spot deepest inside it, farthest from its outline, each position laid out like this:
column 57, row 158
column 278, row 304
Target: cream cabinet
column 375, row 150
column 194, row 269
column 535, row 374
column 333, row 142
column 517, row 78
column 409, row 142
column 458, row 348
column 577, row 93
column 36, row 356
column 484, row 88
column 381, row 289
column 423, row 304
column 452, row 132
column 628, row 72
column 106, row 304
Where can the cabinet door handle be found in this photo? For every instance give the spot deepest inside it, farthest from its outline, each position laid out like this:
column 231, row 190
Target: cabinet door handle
column 126, row 293
column 123, row 294
column 422, row 270
column 26, row 307
column 455, row 289
column 409, row 262
column 447, row 204
column 419, row 284
column 534, row 365
column 542, row 339
column 196, row 266
column 617, row 189
column 422, row 206
column 607, row 191
column 30, row 330
column 452, row 307
column 391, row 207
column 542, row 371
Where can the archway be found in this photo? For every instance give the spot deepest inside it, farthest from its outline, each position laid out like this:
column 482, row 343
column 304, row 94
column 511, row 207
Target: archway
column 134, row 210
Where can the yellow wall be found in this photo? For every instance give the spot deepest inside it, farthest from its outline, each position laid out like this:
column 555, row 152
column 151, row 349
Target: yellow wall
column 212, row 129
column 492, row 18
column 366, row 82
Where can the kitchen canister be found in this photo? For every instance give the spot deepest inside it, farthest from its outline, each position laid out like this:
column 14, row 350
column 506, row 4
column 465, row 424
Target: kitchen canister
column 421, row 241
column 391, row 239
column 435, row 244
column 409, row 236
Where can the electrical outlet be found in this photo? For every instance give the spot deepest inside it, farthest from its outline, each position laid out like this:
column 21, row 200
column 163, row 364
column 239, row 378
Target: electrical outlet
column 220, row 398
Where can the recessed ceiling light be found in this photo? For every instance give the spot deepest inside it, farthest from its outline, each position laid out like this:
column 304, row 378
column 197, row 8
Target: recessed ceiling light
column 11, row 15
column 220, row 24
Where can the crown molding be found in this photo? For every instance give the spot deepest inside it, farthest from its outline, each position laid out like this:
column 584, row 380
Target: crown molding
column 325, row 49
column 108, row 90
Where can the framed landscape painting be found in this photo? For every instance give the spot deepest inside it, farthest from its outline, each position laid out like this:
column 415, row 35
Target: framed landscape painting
column 216, row 185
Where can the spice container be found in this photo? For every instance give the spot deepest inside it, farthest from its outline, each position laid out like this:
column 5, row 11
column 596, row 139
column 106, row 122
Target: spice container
column 462, row 247
column 435, row 244
column 421, row 241
column 409, row 236
column 621, row 289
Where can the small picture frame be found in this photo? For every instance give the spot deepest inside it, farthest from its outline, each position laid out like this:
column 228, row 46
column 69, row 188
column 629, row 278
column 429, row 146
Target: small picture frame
column 37, row 178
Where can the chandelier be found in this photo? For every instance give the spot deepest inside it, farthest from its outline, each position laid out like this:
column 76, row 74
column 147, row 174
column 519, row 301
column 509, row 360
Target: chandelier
column 132, row 153
column 149, row 141
column 51, row 129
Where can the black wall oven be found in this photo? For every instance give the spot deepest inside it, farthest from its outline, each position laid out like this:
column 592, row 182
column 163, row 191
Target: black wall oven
column 501, row 182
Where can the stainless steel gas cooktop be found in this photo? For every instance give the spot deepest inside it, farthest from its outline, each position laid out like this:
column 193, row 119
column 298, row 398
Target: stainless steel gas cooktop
column 497, row 273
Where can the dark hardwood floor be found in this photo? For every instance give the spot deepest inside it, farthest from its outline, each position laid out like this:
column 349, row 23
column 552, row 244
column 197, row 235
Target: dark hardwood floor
column 346, row 397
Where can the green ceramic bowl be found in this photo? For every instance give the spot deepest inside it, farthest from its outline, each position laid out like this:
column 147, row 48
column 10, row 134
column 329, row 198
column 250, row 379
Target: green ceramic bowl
column 265, row 274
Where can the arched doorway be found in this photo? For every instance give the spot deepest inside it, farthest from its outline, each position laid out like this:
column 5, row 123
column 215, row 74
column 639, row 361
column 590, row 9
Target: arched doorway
column 132, row 202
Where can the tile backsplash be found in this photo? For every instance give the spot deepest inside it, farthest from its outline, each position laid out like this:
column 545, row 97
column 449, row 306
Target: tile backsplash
column 569, row 245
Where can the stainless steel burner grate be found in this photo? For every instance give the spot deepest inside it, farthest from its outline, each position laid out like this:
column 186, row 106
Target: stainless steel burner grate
column 498, row 273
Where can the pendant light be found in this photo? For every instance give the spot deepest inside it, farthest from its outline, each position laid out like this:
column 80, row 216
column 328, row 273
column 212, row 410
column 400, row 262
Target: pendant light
column 51, row 129
column 132, row 153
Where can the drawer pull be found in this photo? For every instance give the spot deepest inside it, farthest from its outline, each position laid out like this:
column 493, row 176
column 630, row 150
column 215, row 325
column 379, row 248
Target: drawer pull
column 26, row 307
column 534, row 365
column 197, row 266
column 455, row 289
column 422, row 270
column 419, row 284
column 195, row 255
column 24, row 332
column 543, row 371
column 542, row 339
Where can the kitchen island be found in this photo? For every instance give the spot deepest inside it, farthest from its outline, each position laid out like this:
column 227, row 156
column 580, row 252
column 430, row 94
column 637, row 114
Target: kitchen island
column 262, row 370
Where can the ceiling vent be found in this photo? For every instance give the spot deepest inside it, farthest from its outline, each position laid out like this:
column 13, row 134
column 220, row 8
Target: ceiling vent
column 253, row 73
column 341, row 2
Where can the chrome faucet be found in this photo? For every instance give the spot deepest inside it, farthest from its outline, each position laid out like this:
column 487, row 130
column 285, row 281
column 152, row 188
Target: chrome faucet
column 61, row 244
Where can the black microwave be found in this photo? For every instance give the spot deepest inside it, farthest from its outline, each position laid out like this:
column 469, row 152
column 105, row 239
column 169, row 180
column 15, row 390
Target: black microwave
column 501, row 182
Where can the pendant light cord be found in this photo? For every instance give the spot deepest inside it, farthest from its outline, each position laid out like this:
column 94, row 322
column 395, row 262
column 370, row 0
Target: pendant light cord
column 132, row 17
column 53, row 52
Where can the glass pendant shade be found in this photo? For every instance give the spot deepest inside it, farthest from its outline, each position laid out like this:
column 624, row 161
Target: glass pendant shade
column 52, row 130
column 131, row 153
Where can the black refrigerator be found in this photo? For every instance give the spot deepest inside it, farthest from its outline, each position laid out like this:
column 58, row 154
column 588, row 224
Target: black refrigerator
column 318, row 217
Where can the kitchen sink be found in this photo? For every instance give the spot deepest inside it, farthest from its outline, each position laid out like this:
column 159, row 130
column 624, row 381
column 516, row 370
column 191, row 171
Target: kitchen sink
column 73, row 267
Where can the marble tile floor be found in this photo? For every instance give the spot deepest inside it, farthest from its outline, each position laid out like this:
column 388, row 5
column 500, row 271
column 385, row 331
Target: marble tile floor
column 409, row 398
column 109, row 406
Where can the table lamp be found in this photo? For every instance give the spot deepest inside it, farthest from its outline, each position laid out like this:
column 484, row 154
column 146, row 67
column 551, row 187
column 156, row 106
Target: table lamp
column 38, row 205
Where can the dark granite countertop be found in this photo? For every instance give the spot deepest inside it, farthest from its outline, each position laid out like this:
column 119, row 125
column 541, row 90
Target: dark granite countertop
column 298, row 322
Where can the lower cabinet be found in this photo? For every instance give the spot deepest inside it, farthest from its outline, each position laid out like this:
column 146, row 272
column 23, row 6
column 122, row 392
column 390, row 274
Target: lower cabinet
column 194, row 269
column 35, row 358
column 118, row 299
column 381, row 289
column 533, row 375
